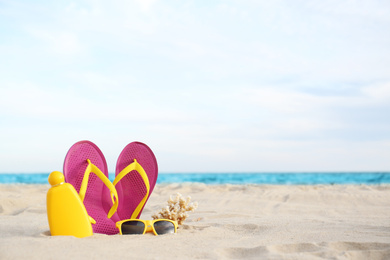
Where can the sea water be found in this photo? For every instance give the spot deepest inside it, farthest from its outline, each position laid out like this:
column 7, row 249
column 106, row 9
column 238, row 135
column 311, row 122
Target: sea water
column 307, row 178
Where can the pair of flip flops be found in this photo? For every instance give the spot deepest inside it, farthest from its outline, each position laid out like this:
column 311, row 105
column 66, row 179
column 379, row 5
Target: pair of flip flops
column 135, row 177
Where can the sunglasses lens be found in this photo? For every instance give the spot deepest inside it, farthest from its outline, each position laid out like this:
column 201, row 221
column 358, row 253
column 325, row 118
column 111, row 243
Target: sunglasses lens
column 133, row 227
column 164, row 227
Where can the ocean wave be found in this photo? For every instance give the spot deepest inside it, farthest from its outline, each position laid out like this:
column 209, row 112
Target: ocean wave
column 237, row 178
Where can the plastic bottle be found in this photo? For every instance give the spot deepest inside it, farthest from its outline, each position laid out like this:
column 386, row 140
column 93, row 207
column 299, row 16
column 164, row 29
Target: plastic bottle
column 66, row 213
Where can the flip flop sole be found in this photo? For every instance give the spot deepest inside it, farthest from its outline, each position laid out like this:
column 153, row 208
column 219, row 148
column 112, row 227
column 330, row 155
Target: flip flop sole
column 131, row 188
column 97, row 199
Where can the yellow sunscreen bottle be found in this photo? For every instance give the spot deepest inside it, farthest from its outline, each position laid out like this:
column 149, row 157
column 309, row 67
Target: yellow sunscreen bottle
column 66, row 213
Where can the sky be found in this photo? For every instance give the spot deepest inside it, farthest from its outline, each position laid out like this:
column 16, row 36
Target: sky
column 209, row 86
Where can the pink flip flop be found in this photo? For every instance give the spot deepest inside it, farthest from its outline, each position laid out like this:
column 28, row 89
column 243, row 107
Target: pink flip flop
column 135, row 177
column 95, row 190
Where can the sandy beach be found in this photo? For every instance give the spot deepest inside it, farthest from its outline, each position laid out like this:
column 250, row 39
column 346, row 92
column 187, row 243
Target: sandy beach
column 231, row 222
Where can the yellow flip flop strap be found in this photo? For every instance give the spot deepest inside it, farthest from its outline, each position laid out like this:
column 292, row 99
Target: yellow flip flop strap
column 83, row 189
column 131, row 167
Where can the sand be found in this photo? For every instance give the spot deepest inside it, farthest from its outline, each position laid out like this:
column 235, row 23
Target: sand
column 231, row 222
